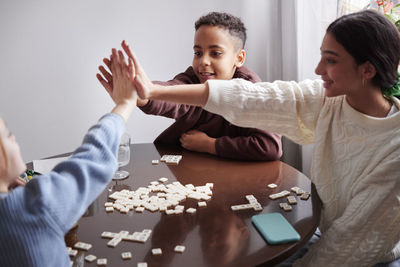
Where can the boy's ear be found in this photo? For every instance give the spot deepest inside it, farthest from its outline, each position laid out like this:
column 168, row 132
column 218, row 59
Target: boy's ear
column 240, row 58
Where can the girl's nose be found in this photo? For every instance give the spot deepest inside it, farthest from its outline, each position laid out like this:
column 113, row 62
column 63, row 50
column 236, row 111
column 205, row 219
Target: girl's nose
column 319, row 69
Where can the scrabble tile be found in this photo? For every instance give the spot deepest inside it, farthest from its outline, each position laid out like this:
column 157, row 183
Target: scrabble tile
column 108, row 235
column 191, row 210
column 132, row 238
column 257, row 207
column 124, row 210
column 73, row 252
column 179, row 207
column 123, row 233
column 102, row 261
column 90, row 258
column 114, row 242
column 305, row 196
column 163, row 179
column 295, row 188
column 179, row 249
column 143, row 237
column 147, row 231
column 292, row 200
column 251, row 199
column 126, row 255
column 169, row 212
column 83, row 246
column 156, row 251
column 109, row 209
column 242, row 207
column 202, row 204
column 139, row 209
column 284, row 193
column 285, row 206
column 272, row 186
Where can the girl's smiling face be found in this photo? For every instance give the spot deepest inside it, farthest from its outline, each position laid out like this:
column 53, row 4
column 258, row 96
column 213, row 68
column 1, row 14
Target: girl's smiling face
column 338, row 69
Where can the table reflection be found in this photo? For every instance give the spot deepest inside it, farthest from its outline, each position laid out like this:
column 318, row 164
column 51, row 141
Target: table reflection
column 214, row 235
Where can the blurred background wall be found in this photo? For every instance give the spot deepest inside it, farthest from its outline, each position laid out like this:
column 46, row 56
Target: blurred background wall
column 50, row 51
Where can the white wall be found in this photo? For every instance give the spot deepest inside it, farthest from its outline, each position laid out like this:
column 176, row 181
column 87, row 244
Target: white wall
column 50, row 51
column 312, row 21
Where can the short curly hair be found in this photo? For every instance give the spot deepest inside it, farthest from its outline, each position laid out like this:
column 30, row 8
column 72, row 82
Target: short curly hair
column 227, row 21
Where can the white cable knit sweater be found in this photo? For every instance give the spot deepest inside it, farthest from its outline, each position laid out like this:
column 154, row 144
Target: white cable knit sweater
column 355, row 163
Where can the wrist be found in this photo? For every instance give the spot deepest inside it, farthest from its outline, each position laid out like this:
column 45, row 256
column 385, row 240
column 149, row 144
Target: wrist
column 142, row 102
column 211, row 146
column 154, row 93
column 124, row 109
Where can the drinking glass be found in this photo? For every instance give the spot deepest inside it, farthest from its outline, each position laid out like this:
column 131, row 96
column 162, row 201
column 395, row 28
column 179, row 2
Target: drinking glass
column 124, row 155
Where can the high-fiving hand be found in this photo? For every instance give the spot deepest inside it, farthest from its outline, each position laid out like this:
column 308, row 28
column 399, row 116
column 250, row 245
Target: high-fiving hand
column 140, row 80
column 120, row 85
column 132, row 77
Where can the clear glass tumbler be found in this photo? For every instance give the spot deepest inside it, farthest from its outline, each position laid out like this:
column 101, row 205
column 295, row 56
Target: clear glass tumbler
column 124, row 156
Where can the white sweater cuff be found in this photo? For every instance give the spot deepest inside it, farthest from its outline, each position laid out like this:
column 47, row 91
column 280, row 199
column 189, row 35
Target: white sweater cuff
column 219, row 92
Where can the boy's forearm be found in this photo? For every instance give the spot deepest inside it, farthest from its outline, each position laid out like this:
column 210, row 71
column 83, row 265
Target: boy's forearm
column 190, row 94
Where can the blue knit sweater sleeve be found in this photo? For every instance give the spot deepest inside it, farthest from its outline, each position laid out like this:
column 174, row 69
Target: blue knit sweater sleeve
column 35, row 218
column 65, row 193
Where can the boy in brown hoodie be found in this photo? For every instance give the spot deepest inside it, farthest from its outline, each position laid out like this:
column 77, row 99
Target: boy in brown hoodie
column 218, row 54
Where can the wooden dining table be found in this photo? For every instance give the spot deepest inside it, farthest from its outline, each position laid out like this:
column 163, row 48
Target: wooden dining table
column 214, row 235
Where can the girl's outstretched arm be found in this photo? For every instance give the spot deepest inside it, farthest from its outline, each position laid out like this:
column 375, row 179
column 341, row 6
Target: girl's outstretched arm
column 191, row 94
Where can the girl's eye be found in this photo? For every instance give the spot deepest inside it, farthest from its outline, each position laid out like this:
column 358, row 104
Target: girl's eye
column 197, row 53
column 330, row 61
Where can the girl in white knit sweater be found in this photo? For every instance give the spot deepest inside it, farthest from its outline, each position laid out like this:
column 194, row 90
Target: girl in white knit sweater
column 351, row 116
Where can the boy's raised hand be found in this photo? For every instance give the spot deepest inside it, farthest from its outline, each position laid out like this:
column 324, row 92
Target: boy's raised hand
column 142, row 82
column 106, row 79
column 120, row 84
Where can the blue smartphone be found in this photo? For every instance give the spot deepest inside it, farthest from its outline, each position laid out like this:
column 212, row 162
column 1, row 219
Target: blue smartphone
column 275, row 228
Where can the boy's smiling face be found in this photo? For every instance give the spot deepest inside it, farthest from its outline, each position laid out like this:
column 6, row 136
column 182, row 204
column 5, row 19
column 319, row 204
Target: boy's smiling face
column 217, row 53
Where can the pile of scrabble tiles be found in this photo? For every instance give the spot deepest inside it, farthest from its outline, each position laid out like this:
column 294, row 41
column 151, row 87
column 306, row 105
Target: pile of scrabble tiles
column 286, row 206
column 115, row 239
column 253, row 204
column 169, row 159
column 291, row 200
column 159, row 196
column 89, row 258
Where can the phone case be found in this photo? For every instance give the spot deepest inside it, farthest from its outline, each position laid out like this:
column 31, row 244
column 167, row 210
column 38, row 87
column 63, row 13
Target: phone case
column 275, row 228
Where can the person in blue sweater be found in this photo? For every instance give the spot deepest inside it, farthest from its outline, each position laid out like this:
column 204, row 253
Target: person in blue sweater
column 35, row 218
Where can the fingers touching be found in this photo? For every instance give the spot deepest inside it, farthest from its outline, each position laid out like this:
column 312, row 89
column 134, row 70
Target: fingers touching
column 119, row 66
